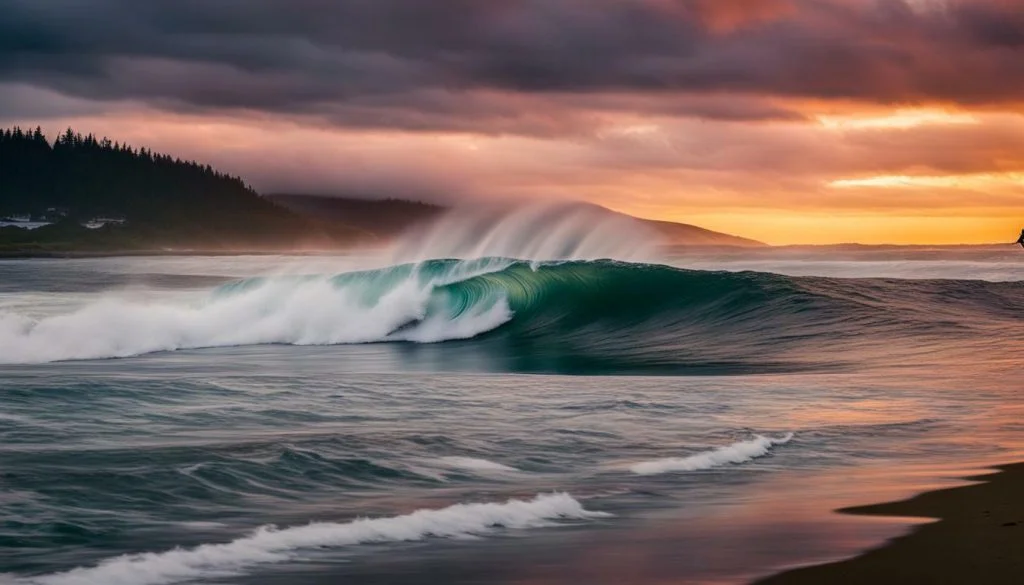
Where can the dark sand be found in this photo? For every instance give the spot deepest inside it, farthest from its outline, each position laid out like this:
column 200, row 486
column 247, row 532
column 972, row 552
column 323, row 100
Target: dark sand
column 979, row 539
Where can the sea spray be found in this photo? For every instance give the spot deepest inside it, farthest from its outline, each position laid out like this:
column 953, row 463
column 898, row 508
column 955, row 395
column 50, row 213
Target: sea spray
column 538, row 231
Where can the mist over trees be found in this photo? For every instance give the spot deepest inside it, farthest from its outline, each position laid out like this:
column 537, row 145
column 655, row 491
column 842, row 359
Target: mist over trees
column 98, row 195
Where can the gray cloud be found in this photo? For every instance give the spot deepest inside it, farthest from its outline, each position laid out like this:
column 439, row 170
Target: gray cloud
column 454, row 64
column 19, row 102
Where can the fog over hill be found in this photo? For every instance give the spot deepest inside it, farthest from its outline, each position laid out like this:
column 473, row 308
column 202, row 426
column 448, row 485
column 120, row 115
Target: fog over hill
column 387, row 218
column 81, row 193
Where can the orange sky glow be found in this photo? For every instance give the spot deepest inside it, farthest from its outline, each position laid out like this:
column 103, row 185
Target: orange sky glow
column 872, row 177
column 787, row 121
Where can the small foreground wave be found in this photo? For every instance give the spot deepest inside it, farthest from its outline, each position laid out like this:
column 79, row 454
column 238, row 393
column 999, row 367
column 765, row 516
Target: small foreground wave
column 271, row 545
column 740, row 452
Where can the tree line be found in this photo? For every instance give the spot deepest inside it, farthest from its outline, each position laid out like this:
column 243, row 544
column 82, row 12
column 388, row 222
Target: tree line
column 78, row 177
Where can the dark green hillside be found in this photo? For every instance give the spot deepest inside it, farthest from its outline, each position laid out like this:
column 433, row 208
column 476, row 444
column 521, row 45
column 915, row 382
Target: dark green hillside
column 162, row 201
column 103, row 196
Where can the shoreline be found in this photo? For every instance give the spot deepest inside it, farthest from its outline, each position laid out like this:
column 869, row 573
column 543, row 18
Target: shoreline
column 978, row 537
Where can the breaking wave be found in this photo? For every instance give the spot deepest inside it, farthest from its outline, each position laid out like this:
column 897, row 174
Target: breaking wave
column 540, row 316
column 271, row 545
column 736, row 453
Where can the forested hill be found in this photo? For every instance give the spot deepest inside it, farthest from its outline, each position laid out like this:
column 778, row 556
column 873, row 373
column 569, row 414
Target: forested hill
column 146, row 199
column 94, row 195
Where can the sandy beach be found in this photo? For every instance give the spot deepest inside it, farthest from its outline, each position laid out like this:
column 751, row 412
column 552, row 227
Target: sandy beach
column 978, row 539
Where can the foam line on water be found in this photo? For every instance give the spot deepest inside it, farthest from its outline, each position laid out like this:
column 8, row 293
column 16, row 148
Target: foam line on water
column 270, row 545
column 739, row 452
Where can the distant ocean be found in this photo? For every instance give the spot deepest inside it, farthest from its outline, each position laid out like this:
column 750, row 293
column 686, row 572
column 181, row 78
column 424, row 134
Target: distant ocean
column 508, row 418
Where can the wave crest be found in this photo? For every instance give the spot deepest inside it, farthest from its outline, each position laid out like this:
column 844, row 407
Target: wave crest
column 648, row 315
column 271, row 545
column 736, row 453
column 569, row 316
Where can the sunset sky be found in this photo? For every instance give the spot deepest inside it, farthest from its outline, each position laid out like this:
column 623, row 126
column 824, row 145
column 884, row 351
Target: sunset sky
column 788, row 121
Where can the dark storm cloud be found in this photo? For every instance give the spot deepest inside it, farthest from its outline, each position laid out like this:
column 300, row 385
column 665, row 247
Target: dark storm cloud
column 993, row 26
column 415, row 64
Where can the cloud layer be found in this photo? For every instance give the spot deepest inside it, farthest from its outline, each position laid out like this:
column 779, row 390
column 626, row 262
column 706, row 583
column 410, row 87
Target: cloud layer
column 423, row 65
column 674, row 108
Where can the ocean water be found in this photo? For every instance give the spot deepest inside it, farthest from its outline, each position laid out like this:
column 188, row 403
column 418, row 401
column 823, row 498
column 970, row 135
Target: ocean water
column 693, row 418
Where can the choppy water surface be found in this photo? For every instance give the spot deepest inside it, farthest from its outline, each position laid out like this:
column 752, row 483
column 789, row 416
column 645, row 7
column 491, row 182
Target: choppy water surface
column 327, row 419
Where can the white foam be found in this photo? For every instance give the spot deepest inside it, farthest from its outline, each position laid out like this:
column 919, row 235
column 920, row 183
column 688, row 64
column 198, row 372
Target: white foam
column 278, row 310
column 740, row 452
column 269, row 545
column 474, row 464
column 319, row 311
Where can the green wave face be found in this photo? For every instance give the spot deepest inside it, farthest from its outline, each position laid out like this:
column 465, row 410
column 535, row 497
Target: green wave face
column 607, row 315
column 577, row 294
column 610, row 316
column 560, row 295
column 594, row 316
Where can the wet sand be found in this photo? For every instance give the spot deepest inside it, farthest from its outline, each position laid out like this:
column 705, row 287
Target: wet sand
column 978, row 539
